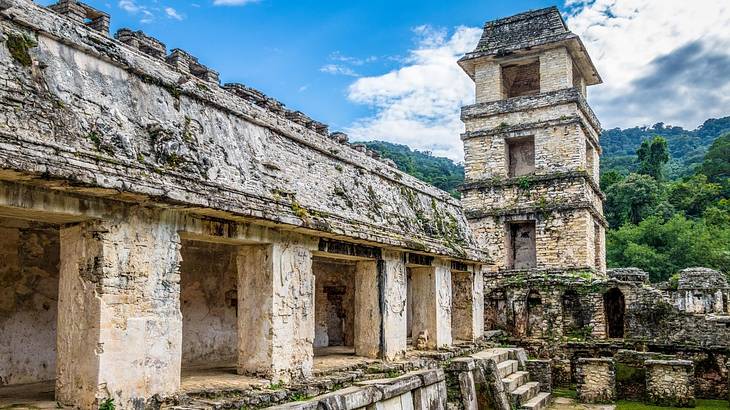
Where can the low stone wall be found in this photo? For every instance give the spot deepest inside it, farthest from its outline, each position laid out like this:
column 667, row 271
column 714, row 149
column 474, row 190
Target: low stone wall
column 631, row 373
column 424, row 389
column 541, row 371
column 670, row 383
column 596, row 380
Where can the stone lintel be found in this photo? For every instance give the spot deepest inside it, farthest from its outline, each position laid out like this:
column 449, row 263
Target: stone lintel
column 534, row 212
column 575, row 275
column 347, row 249
column 417, row 259
column 488, row 183
column 527, row 128
column 531, row 102
column 570, row 41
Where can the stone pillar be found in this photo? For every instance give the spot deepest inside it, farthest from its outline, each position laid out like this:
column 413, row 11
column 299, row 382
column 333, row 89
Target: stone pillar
column 467, row 313
column 670, row 383
column 392, row 285
column 432, row 303
column 119, row 323
column 596, row 380
column 276, row 309
column 367, row 310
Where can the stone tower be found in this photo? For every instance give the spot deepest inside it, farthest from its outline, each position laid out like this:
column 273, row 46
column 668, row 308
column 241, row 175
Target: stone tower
column 531, row 146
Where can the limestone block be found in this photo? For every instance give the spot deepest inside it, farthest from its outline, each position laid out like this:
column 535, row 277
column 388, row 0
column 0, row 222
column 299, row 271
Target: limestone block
column 432, row 397
column 670, row 383
column 368, row 318
column 276, row 309
column 393, row 272
column 119, row 291
column 596, row 380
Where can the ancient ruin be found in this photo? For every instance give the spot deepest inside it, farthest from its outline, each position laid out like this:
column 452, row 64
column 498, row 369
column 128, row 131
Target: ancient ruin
column 168, row 242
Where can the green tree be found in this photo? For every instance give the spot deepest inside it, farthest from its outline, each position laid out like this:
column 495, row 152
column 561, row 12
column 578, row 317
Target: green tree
column 693, row 195
column 661, row 247
column 716, row 165
column 653, row 154
column 633, row 199
column 609, row 178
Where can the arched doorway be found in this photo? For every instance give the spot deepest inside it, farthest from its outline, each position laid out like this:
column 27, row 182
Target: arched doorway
column 615, row 307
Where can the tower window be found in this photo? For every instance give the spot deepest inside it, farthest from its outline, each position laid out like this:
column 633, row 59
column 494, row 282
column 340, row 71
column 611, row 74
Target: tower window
column 521, row 79
column 522, row 253
column 520, row 156
column 590, row 159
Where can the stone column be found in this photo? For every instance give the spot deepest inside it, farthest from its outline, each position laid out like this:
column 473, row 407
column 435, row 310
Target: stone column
column 432, row 303
column 119, row 323
column 467, row 305
column 392, row 284
column 276, row 309
column 367, row 310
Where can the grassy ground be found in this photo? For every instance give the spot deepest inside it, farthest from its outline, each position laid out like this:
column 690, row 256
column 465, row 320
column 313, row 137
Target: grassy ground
column 701, row 405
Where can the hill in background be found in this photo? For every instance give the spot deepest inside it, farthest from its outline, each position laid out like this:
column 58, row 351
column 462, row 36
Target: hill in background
column 687, row 149
column 440, row 172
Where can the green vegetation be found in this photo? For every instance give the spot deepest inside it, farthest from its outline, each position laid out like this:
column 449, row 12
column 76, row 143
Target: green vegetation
column 701, row 405
column 687, row 148
column 663, row 226
column 440, row 172
column 107, row 404
column 564, row 392
column 19, row 46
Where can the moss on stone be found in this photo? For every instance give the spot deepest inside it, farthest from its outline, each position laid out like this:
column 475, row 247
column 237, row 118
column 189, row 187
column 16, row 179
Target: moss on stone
column 19, row 46
column 300, row 211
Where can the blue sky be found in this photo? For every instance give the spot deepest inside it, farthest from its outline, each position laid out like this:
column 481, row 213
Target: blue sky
column 386, row 69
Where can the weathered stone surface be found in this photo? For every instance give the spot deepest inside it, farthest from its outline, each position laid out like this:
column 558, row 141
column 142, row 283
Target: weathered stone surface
column 596, row 380
column 123, row 121
column 670, row 383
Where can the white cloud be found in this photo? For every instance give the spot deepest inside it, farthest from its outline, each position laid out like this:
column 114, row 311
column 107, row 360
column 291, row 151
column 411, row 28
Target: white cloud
column 338, row 69
column 419, row 103
column 147, row 17
column 233, row 2
column 660, row 60
column 129, row 6
column 173, row 14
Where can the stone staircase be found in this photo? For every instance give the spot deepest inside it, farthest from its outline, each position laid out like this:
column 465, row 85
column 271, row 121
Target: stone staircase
column 516, row 385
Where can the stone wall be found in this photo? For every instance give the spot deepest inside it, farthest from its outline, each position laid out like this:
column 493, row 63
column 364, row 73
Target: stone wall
column 596, row 380
column 208, row 302
column 703, row 291
column 29, row 255
column 541, row 371
column 554, row 151
column 419, row 390
column 670, row 383
column 631, row 373
column 135, row 126
column 564, row 238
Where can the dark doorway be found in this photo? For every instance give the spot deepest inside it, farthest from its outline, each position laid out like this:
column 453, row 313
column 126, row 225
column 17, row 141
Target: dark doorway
column 615, row 306
column 522, row 252
column 573, row 319
column 534, row 314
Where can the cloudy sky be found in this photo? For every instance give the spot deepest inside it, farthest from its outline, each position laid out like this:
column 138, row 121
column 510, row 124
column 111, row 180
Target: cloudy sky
column 385, row 69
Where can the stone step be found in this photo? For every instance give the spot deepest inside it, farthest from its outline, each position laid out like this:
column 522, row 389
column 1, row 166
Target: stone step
column 499, row 354
column 539, row 402
column 515, row 380
column 524, row 393
column 507, row 367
